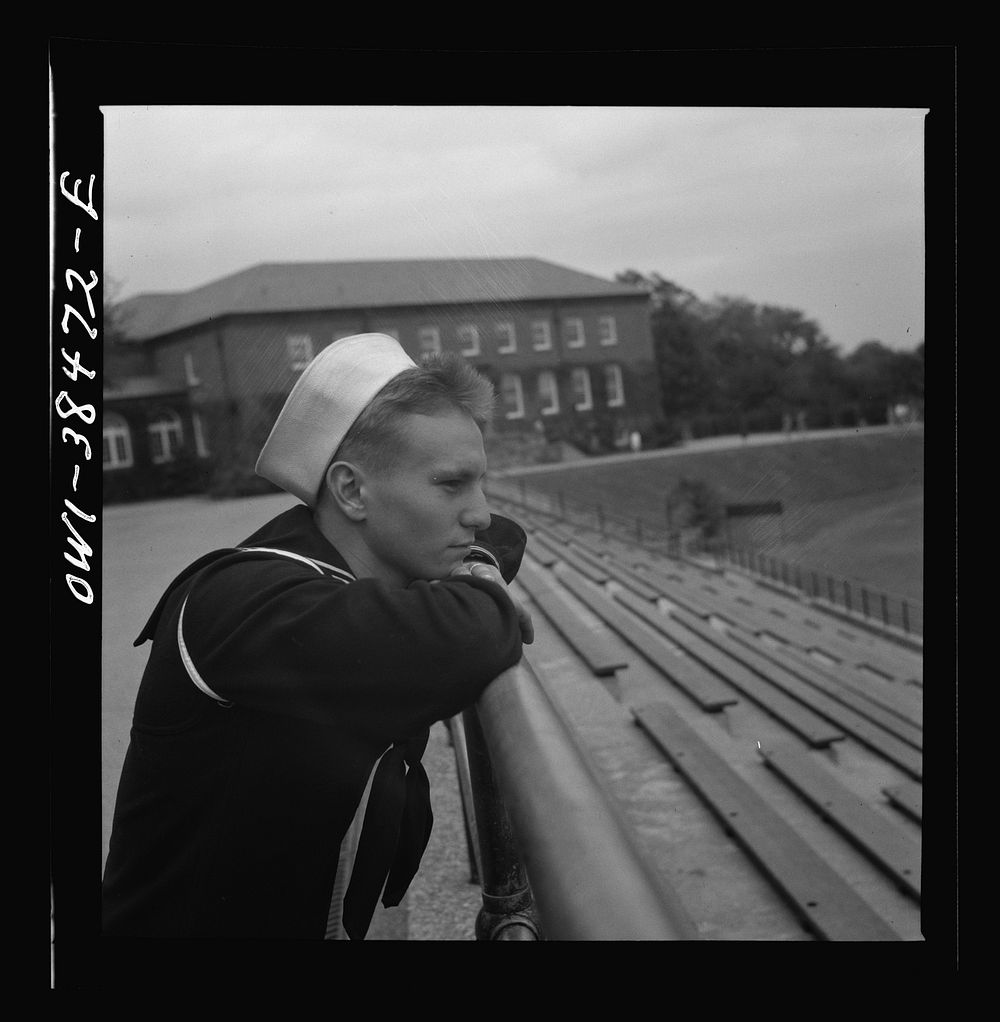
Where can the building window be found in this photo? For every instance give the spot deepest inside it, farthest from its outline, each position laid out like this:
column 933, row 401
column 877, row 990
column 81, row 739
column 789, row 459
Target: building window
column 165, row 436
column 300, row 351
column 199, row 436
column 468, row 338
column 541, row 335
column 582, row 399
column 505, row 334
column 117, row 442
column 512, row 396
column 190, row 373
column 548, row 393
column 430, row 341
column 573, row 333
column 613, row 387
column 607, row 331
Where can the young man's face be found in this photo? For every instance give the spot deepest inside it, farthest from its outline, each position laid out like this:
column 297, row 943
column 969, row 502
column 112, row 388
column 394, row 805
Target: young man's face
column 422, row 515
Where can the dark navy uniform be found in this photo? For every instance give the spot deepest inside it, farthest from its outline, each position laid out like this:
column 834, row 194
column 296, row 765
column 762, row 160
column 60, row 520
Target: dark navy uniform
column 275, row 682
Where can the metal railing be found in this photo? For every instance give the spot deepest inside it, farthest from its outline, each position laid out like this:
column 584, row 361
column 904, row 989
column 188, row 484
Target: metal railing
column 557, row 857
column 577, row 512
column 861, row 603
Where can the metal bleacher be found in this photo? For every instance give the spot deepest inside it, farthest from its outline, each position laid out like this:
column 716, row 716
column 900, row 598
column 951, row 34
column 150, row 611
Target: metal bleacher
column 774, row 764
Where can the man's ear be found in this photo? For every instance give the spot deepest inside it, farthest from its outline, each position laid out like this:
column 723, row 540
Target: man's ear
column 344, row 484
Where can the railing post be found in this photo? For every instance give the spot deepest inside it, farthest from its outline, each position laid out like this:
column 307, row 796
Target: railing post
column 457, row 734
column 864, row 601
column 508, row 911
column 885, row 608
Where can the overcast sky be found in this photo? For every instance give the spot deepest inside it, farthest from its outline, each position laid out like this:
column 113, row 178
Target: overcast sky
column 819, row 210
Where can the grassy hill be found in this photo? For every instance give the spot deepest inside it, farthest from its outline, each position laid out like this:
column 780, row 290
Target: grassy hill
column 853, row 504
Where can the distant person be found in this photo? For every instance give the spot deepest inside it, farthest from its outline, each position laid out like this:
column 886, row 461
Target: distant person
column 293, row 678
column 635, row 441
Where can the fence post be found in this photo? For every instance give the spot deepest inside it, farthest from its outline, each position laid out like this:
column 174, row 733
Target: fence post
column 864, row 601
column 847, row 595
column 885, row 608
column 830, row 589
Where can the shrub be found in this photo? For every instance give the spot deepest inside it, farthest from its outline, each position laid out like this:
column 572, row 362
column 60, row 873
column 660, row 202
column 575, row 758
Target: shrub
column 693, row 503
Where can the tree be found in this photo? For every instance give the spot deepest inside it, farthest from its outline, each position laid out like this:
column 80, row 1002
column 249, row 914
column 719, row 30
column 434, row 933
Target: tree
column 684, row 363
column 815, row 385
column 694, row 504
column 908, row 375
column 753, row 366
column 751, row 363
column 877, row 378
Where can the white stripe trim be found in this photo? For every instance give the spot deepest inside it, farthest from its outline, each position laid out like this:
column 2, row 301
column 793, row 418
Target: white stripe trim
column 318, row 565
column 341, row 575
column 283, row 553
column 346, row 575
column 189, row 663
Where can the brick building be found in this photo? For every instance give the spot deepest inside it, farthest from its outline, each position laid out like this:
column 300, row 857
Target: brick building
column 201, row 375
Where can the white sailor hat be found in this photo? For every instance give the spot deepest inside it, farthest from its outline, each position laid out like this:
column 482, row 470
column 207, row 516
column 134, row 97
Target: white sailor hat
column 330, row 394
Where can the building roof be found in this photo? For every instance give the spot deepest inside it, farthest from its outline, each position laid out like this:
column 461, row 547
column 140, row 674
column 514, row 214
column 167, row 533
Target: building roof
column 296, row 287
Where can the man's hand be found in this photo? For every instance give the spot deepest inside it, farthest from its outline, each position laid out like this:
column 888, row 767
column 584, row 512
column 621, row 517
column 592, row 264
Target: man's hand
column 481, row 570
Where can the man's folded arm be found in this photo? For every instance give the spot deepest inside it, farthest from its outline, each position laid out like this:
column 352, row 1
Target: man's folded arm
column 363, row 654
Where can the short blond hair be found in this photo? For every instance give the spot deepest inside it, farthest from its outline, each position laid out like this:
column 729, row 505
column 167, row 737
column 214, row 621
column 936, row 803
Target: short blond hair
column 442, row 383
